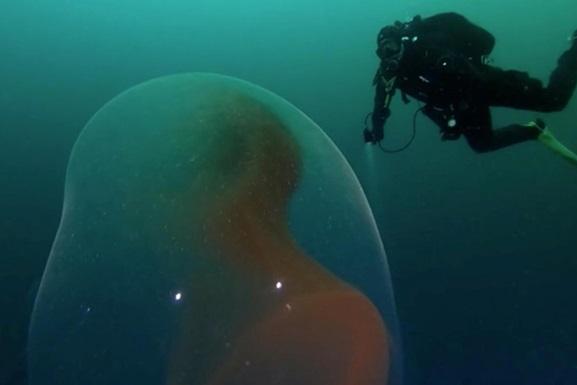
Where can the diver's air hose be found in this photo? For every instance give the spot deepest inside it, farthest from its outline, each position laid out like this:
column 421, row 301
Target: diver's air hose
column 406, row 145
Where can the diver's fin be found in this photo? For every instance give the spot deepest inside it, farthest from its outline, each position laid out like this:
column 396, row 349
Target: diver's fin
column 546, row 137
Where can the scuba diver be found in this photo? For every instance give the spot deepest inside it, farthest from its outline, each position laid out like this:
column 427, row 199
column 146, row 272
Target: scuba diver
column 442, row 61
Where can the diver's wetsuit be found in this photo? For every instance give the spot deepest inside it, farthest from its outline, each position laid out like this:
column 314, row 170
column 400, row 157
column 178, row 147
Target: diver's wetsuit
column 442, row 63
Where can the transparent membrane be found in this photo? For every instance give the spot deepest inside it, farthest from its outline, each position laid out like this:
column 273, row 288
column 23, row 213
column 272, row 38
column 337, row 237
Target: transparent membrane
column 212, row 234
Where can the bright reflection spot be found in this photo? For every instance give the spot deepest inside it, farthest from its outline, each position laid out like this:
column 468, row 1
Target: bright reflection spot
column 178, row 296
column 288, row 306
column 279, row 285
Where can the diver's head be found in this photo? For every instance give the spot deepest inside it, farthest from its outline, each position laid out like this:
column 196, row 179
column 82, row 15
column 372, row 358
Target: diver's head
column 389, row 41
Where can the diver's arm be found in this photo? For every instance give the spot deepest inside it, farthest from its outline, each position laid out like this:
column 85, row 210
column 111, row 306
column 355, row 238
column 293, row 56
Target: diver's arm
column 384, row 92
column 381, row 112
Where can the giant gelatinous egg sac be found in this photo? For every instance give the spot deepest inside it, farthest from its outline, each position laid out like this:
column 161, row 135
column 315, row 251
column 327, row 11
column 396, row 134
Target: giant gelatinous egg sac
column 212, row 234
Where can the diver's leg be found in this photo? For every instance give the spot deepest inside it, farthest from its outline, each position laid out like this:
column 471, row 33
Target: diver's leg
column 491, row 140
column 516, row 89
column 563, row 79
column 482, row 138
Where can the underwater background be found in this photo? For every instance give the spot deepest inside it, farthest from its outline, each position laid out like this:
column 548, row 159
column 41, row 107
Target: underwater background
column 482, row 248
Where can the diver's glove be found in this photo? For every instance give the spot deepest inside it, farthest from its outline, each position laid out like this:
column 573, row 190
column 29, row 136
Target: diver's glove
column 378, row 120
column 373, row 136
